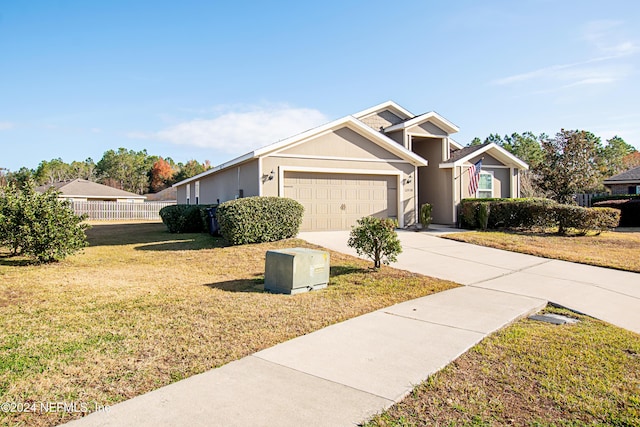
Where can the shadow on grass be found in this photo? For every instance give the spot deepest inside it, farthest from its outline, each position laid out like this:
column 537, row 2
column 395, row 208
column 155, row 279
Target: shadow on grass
column 257, row 284
column 339, row 270
column 11, row 260
column 154, row 234
column 240, row 285
column 184, row 245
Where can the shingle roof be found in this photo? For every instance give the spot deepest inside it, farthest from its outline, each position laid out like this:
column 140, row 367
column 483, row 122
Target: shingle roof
column 630, row 175
column 84, row 188
column 463, row 152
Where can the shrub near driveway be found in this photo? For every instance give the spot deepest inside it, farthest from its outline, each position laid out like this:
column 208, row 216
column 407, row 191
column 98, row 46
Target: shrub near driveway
column 142, row 308
column 259, row 219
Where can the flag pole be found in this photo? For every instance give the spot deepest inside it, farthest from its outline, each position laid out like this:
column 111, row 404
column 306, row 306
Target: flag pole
column 467, row 170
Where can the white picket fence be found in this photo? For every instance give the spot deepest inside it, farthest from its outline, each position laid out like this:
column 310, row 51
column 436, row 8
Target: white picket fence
column 113, row 211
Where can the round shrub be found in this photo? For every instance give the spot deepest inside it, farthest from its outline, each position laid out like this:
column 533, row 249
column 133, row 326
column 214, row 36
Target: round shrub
column 185, row 218
column 40, row 225
column 259, row 219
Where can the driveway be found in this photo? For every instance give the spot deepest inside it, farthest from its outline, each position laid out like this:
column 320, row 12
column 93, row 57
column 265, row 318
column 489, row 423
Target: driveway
column 609, row 295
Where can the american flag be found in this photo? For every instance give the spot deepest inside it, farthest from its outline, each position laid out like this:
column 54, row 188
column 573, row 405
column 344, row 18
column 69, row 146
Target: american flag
column 474, row 177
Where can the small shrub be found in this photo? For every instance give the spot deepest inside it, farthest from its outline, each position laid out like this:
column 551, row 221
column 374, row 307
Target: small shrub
column 185, row 218
column 40, row 224
column 425, row 215
column 377, row 239
column 483, row 215
column 259, row 219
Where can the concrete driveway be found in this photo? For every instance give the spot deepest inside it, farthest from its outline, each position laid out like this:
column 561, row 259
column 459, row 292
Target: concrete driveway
column 610, row 295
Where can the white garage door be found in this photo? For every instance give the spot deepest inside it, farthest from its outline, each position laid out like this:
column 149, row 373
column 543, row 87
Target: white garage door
column 336, row 201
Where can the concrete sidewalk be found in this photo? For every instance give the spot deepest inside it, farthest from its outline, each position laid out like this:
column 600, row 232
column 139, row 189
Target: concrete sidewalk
column 607, row 294
column 343, row 374
column 337, row 376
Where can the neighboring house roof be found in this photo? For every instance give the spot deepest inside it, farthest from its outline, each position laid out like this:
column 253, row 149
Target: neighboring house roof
column 348, row 121
column 84, row 188
column 467, row 153
column 431, row 116
column 628, row 177
column 166, row 195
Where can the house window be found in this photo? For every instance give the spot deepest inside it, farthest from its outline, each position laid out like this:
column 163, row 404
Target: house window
column 485, row 185
column 188, row 193
column 197, row 192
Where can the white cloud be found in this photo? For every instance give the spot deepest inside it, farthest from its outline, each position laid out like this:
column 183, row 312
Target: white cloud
column 609, row 47
column 6, row 125
column 236, row 132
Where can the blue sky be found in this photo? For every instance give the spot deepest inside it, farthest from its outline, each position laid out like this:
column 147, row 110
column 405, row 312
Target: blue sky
column 212, row 79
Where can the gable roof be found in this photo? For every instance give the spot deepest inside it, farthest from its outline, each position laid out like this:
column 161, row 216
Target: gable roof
column 431, row 116
column 387, row 105
column 465, row 154
column 349, row 121
column 624, row 177
column 83, row 188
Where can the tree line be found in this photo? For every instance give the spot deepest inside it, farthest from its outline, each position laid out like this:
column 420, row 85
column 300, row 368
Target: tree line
column 134, row 171
column 571, row 162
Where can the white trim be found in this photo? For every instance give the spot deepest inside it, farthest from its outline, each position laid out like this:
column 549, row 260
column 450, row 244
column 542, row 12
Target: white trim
column 425, row 118
column 490, row 173
column 398, row 174
column 487, row 166
column 508, row 157
column 512, row 182
column 197, row 192
column 261, row 182
column 455, row 144
column 355, row 125
column 381, row 107
column 348, row 159
column 454, row 207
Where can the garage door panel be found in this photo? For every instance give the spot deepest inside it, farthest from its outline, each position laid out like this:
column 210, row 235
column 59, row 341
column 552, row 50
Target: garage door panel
column 337, row 201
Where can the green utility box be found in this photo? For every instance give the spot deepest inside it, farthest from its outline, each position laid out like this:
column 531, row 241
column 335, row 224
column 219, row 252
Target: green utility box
column 296, row 270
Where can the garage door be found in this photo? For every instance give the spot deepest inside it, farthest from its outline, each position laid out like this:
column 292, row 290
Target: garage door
column 337, row 201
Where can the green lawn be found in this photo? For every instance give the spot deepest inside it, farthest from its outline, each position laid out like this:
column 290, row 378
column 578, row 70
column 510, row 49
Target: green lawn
column 141, row 308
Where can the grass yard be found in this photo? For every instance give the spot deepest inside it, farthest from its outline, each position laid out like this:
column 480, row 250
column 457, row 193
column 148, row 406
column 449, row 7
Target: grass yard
column 533, row 374
column 610, row 249
column 141, row 308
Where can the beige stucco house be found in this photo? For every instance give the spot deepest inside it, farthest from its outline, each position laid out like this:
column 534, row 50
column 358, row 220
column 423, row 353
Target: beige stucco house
column 383, row 161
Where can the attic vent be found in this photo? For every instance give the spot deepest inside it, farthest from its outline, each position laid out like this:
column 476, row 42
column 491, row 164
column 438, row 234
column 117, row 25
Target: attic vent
column 555, row 319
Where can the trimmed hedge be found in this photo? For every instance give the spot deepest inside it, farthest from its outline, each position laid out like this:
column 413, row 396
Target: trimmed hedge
column 185, row 218
column 585, row 219
column 597, row 199
column 629, row 210
column 259, row 219
column 508, row 213
column 536, row 213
